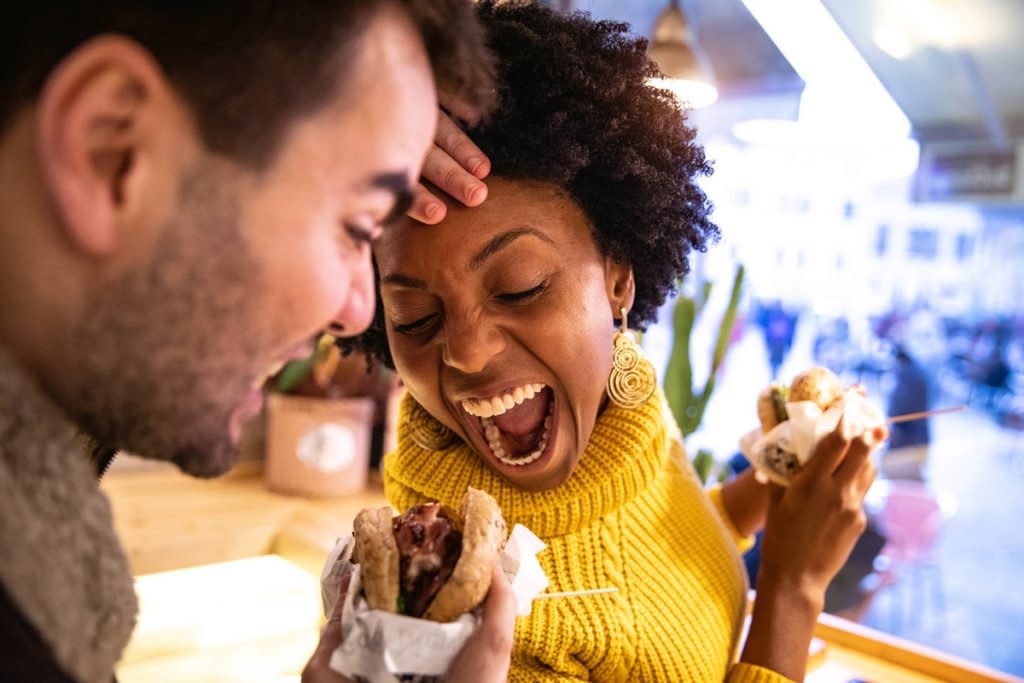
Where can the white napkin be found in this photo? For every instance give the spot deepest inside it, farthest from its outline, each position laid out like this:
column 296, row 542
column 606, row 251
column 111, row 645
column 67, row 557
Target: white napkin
column 777, row 455
column 379, row 647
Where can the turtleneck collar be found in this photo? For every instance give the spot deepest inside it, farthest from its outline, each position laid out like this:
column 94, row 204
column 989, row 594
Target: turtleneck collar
column 62, row 563
column 626, row 451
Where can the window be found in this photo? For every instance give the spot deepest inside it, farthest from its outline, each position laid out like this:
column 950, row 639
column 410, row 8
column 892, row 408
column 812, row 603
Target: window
column 923, row 244
column 881, row 240
column 964, row 247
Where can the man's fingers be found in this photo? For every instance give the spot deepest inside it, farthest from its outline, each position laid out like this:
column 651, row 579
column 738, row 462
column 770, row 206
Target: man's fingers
column 448, row 175
column 318, row 668
column 453, row 140
column 459, row 109
column 486, row 655
column 330, row 637
column 426, row 208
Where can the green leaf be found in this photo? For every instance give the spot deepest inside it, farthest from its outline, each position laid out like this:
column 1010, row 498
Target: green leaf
column 293, row 373
column 728, row 321
column 705, row 294
column 678, row 380
column 702, row 464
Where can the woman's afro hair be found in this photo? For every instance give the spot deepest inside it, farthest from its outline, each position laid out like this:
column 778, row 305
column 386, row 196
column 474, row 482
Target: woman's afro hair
column 575, row 110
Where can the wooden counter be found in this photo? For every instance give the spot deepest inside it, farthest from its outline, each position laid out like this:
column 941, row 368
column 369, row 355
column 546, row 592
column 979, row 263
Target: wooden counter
column 253, row 613
column 167, row 520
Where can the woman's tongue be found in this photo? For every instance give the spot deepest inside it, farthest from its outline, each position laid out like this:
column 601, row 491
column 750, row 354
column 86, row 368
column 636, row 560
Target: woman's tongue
column 522, row 426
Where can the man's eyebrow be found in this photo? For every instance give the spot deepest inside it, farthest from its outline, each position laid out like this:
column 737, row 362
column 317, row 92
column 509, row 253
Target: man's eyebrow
column 503, row 240
column 398, row 183
column 403, row 281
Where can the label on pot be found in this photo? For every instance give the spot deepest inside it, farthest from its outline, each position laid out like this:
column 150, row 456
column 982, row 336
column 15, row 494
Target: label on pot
column 327, row 448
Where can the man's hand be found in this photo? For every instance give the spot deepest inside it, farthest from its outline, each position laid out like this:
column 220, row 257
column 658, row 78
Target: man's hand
column 318, row 669
column 455, row 165
column 487, row 653
column 484, row 658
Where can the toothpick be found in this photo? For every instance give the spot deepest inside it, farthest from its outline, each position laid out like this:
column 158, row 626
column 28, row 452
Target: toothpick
column 909, row 417
column 575, row 594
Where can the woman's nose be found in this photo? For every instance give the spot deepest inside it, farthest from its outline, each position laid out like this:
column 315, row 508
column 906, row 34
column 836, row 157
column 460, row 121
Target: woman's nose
column 470, row 343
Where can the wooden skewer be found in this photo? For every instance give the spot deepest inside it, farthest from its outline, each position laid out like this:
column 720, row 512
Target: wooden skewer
column 574, row 594
column 909, row 417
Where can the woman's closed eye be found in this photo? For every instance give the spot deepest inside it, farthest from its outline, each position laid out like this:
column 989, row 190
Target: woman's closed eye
column 523, row 296
column 416, row 326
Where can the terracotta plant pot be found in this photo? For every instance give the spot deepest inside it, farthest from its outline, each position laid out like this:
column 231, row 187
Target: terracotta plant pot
column 318, row 447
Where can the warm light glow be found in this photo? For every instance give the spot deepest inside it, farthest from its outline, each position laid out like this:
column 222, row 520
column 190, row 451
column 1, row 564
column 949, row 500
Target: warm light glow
column 934, row 22
column 690, row 94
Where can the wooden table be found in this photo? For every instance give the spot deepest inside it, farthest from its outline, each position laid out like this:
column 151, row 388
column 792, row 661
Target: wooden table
column 229, row 587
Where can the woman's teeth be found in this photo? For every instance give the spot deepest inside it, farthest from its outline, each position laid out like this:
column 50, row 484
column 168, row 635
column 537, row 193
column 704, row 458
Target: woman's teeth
column 497, row 405
column 493, row 436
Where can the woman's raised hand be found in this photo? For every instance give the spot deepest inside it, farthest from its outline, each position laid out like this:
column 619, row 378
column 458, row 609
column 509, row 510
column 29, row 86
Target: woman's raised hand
column 813, row 524
column 811, row 528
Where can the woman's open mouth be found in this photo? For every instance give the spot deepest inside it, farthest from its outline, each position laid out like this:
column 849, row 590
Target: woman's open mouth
column 517, row 424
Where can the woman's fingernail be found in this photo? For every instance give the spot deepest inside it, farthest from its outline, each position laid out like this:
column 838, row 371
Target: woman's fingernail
column 474, row 164
column 433, row 211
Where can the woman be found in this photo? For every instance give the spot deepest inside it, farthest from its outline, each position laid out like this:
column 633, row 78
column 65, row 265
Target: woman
column 502, row 322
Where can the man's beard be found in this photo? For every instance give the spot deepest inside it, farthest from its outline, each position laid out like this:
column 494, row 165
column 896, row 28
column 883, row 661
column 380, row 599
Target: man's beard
column 165, row 351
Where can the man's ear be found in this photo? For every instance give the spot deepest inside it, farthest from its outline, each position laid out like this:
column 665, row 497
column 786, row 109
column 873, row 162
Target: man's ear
column 97, row 115
column 620, row 286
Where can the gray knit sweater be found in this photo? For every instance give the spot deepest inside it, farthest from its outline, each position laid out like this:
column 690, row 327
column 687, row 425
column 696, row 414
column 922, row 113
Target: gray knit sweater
column 61, row 562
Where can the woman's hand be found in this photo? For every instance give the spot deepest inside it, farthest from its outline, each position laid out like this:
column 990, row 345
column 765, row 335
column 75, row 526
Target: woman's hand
column 813, row 525
column 455, row 165
column 811, row 528
column 484, row 658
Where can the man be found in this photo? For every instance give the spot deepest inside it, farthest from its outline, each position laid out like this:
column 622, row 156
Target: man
column 187, row 192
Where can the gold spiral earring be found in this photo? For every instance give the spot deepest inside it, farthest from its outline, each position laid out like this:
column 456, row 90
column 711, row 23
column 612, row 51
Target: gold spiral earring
column 424, row 429
column 632, row 380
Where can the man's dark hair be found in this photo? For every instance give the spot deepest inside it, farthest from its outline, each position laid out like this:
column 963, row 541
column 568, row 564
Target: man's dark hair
column 575, row 110
column 248, row 68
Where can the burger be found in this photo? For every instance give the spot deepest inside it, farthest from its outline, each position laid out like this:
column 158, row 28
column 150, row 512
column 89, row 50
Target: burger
column 429, row 562
column 818, row 385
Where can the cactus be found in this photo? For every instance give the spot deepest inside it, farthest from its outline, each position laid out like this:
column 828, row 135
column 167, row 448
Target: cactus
column 688, row 404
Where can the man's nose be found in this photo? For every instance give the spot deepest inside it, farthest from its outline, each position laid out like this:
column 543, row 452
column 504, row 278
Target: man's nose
column 357, row 309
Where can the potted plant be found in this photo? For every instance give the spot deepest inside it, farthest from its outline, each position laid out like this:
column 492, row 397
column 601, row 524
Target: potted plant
column 687, row 402
column 320, row 416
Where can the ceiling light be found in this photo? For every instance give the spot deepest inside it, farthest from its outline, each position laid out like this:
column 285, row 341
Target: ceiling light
column 687, row 71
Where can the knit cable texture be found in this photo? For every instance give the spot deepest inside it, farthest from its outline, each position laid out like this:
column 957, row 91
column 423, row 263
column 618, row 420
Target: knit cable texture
column 632, row 515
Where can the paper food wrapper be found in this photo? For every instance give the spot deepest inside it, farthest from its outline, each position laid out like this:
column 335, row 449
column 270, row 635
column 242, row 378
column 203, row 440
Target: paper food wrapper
column 380, row 647
column 779, row 454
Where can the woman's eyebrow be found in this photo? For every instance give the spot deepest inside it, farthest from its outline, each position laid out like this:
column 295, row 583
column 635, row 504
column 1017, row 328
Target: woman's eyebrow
column 403, row 281
column 501, row 241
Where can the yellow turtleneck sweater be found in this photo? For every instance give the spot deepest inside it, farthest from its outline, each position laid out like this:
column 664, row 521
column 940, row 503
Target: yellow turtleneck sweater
column 633, row 515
